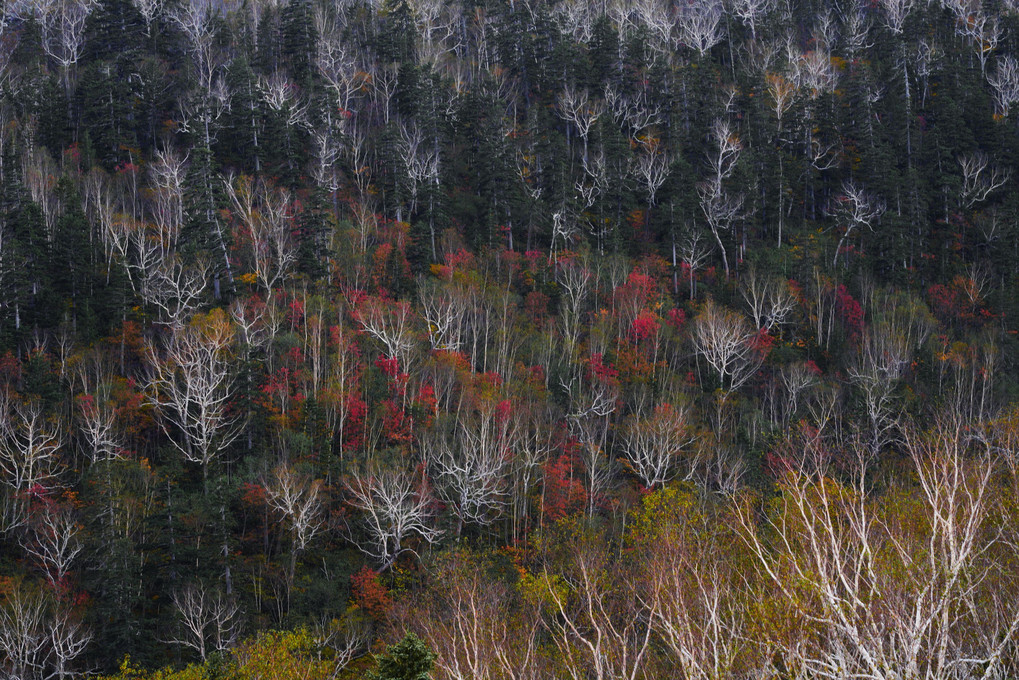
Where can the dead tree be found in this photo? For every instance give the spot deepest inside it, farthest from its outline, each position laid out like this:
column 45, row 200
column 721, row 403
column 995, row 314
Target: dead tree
column 720, row 206
column 394, row 509
column 1005, row 83
column 854, row 208
column 192, row 384
column 978, row 180
column 211, row 621
column 653, row 443
column 29, row 443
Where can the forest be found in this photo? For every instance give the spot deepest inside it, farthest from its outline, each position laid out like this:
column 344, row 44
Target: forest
column 509, row 339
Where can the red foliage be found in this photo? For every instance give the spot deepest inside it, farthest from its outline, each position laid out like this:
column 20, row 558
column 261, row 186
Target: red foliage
column 128, row 336
column 369, row 594
column 461, row 260
column 10, row 369
column 130, row 407
column 253, row 494
column 536, row 267
column 427, row 403
column 776, row 465
column 959, row 301
column 503, row 410
column 455, row 361
column 536, row 308
column 564, row 492
column 379, row 260
column 295, row 313
column 396, row 424
column 850, row 312
column 634, row 363
column 389, row 366
column 763, row 342
column 676, row 318
column 601, row 370
column 353, row 431
column 645, row 325
column 797, row 290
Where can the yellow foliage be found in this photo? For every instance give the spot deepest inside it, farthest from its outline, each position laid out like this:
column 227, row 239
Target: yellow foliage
column 279, row 655
column 273, row 655
column 129, row 672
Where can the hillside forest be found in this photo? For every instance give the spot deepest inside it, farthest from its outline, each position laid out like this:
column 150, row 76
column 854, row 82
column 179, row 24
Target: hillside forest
column 509, row 339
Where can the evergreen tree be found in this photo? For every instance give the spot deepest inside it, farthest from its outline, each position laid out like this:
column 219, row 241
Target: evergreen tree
column 409, row 659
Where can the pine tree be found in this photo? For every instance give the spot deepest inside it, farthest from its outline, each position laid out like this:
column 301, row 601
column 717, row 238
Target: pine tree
column 298, row 42
column 408, row 659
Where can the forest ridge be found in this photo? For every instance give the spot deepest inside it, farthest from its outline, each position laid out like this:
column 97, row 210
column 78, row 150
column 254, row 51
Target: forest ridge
column 509, row 339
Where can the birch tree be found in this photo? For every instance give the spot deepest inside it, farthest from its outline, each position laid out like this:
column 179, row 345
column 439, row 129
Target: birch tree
column 192, row 383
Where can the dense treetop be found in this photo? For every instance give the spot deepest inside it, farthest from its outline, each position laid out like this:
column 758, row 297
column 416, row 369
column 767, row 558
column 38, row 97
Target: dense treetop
column 509, row 339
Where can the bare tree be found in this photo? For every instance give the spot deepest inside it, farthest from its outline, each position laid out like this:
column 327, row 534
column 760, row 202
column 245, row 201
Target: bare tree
column 854, row 208
column 1005, row 83
column 348, row 638
column 693, row 252
column 721, row 207
column 196, row 19
column 895, row 13
column 984, row 33
column 478, row 628
column 751, row 12
column 268, row 214
column 979, row 181
column 68, row 639
column 211, row 621
column 782, row 92
column 149, row 9
column 97, row 423
column 192, row 384
column 887, row 349
column 580, row 110
column 283, row 96
column 445, row 308
column 168, row 173
column 815, row 73
column 338, row 64
column 893, row 591
column 702, row 618
column 601, row 627
column 636, row 111
column 390, row 324
column 796, row 379
column 699, row 25
column 651, row 168
column 24, row 633
column 52, row 540
column 298, row 499
column 382, row 85
column 167, row 282
column 728, row 342
column 62, row 24
column 535, row 443
column 575, row 280
column 423, row 163
column 472, row 463
column 422, row 160
column 29, row 443
column 394, row 509
column 653, row 443
column 770, row 300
